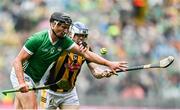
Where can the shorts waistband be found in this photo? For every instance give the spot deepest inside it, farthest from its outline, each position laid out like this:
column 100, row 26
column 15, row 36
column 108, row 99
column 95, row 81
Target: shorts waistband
column 62, row 90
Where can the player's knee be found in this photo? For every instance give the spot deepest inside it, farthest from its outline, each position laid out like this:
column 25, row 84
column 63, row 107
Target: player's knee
column 30, row 105
column 27, row 100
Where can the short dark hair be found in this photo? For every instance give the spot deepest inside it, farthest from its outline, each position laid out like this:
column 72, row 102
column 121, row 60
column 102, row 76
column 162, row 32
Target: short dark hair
column 61, row 17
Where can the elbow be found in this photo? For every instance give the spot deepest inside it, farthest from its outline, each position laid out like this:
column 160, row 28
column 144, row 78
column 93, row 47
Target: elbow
column 14, row 62
column 97, row 72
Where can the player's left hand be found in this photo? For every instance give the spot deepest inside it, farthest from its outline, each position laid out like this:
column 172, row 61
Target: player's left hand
column 83, row 46
column 122, row 65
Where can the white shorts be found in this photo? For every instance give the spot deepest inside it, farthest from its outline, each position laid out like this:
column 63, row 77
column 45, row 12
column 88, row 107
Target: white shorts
column 15, row 82
column 55, row 99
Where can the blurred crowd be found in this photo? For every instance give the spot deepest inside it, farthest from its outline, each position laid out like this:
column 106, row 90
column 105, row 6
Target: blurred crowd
column 138, row 31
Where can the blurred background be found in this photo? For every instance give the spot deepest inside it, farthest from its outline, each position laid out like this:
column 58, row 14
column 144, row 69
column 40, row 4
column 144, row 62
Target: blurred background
column 138, row 31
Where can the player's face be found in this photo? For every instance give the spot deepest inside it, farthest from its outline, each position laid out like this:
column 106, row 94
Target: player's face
column 61, row 29
column 78, row 38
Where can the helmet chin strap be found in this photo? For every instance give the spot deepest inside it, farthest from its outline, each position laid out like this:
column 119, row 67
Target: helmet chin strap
column 54, row 33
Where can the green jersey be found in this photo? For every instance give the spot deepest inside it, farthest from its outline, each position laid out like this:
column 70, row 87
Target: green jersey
column 43, row 52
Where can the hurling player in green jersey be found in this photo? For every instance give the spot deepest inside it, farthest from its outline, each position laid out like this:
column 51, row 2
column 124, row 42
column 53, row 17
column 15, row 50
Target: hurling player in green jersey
column 40, row 51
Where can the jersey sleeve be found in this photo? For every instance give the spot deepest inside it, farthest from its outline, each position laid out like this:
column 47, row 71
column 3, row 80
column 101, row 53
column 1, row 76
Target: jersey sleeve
column 31, row 44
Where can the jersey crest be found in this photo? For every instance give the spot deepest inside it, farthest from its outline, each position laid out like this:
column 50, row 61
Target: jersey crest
column 52, row 50
column 59, row 49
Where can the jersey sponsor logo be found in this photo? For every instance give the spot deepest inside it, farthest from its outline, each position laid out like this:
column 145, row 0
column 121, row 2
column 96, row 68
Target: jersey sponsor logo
column 45, row 50
column 52, row 50
column 73, row 67
column 25, row 65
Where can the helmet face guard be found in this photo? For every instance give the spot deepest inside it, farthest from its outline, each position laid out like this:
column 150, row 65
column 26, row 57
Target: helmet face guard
column 79, row 28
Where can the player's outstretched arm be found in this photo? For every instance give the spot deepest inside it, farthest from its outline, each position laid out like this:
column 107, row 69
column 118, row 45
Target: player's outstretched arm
column 99, row 60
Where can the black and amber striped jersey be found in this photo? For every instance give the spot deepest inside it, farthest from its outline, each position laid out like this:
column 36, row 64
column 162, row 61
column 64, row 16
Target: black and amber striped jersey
column 66, row 68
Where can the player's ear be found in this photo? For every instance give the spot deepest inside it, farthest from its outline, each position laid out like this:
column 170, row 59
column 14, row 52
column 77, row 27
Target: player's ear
column 52, row 24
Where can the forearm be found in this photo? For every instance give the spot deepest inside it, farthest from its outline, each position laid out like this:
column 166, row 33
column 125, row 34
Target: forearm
column 102, row 73
column 96, row 58
column 90, row 56
column 17, row 64
column 97, row 71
